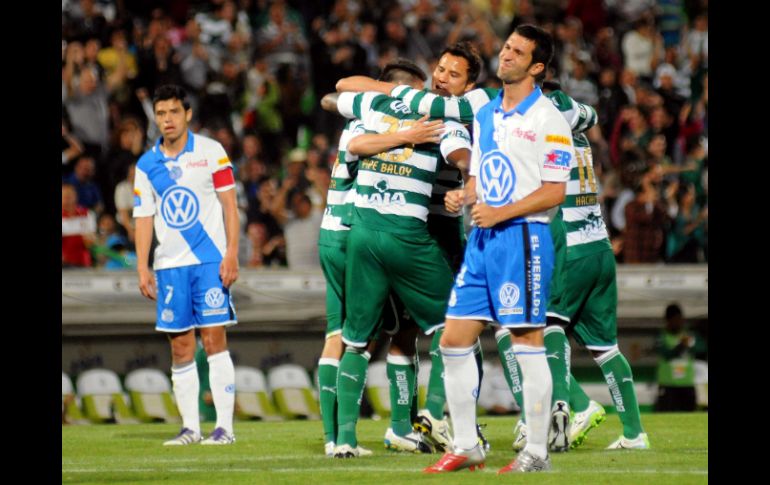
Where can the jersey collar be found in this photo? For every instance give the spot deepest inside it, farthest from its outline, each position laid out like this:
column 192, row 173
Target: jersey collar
column 520, row 108
column 188, row 147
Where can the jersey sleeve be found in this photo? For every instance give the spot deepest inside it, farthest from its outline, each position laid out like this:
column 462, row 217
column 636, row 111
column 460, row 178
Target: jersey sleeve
column 458, row 108
column 555, row 148
column 352, row 105
column 455, row 137
column 221, row 168
column 144, row 198
column 354, row 128
column 579, row 116
column 473, row 171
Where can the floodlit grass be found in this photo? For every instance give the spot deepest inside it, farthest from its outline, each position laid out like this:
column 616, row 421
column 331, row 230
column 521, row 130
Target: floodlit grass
column 292, row 452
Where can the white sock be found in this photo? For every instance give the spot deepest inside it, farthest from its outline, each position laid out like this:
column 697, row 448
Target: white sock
column 461, row 381
column 222, row 379
column 537, row 386
column 186, row 389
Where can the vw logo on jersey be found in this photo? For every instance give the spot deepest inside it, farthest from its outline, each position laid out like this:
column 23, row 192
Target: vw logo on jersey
column 175, row 173
column 179, row 207
column 497, row 178
column 215, row 298
column 509, row 295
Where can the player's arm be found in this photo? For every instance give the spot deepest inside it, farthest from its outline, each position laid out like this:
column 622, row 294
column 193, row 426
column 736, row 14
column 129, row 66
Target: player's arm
column 420, row 131
column 228, row 270
column 143, row 241
column 456, row 147
column 579, row 116
column 460, row 108
column 550, row 194
column 360, row 84
column 224, row 185
column 454, row 200
column 144, row 211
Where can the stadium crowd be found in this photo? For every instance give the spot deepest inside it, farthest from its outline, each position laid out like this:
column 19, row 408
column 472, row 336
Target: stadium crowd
column 255, row 70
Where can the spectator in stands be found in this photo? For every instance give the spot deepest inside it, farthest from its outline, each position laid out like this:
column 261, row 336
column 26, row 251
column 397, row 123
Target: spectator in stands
column 71, row 148
column 124, row 202
column 685, row 240
column 264, row 249
column 82, row 179
column 676, row 347
column 644, row 234
column 300, row 223
column 78, row 230
column 642, row 48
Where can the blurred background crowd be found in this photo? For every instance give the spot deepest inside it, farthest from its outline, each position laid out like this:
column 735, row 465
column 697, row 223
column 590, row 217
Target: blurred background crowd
column 256, row 69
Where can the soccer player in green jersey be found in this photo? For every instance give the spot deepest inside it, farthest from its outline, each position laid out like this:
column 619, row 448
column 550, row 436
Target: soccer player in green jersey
column 389, row 241
column 333, row 249
column 455, row 74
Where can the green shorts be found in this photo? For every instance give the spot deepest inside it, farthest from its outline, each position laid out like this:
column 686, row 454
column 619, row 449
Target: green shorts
column 411, row 266
column 333, row 266
column 587, row 295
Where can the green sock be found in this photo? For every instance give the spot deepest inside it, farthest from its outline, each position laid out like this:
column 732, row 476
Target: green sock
column 578, row 399
column 620, row 380
column 511, row 368
column 436, row 393
column 401, row 375
column 558, row 352
column 416, row 390
column 350, row 389
column 327, row 394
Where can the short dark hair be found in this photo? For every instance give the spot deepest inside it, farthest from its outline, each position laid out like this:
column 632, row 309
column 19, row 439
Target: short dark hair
column 673, row 310
column 391, row 70
column 171, row 91
column 467, row 51
column 543, row 51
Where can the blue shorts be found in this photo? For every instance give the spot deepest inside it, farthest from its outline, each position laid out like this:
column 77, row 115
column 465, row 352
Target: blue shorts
column 505, row 276
column 192, row 296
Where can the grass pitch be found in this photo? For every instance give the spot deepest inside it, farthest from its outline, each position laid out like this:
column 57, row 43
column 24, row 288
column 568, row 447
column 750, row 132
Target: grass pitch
column 292, row 452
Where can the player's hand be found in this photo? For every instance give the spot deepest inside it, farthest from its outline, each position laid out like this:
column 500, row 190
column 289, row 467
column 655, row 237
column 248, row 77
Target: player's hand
column 147, row 283
column 485, row 216
column 424, row 131
column 228, row 270
column 454, row 200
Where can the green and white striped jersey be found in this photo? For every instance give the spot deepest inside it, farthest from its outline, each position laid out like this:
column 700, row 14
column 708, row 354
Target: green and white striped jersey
column 462, row 108
column 580, row 213
column 579, row 116
column 341, row 195
column 393, row 188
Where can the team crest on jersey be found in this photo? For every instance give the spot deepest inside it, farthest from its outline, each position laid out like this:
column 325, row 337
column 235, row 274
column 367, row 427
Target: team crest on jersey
column 167, row 315
column 175, row 173
column 509, row 295
column 498, row 179
column 179, row 208
column 215, row 298
column 558, row 159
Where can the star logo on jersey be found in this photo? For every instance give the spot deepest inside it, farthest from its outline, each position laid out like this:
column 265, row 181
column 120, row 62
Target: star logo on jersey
column 179, row 207
column 509, row 295
column 215, row 298
column 497, row 178
column 557, row 159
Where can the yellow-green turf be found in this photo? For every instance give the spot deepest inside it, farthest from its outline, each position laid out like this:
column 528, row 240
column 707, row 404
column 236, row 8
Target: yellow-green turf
column 292, row 452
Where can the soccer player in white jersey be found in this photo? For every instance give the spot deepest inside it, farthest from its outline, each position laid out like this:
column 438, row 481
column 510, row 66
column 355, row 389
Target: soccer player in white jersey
column 521, row 175
column 184, row 186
